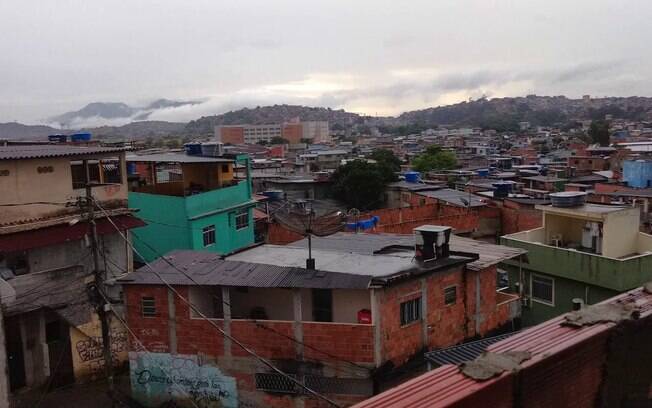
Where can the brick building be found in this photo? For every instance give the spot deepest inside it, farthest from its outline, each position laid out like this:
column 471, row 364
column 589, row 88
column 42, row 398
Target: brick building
column 591, row 363
column 343, row 328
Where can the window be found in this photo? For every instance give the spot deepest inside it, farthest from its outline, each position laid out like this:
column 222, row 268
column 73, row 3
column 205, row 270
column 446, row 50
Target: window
column 242, row 219
column 410, row 311
column 450, row 295
column 148, row 306
column 225, row 168
column 208, row 234
column 543, row 289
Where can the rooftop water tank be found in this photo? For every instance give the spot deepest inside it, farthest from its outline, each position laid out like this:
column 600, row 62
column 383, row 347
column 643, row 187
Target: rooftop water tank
column 412, row 176
column 80, row 137
column 212, row 149
column 193, row 149
column 567, row 199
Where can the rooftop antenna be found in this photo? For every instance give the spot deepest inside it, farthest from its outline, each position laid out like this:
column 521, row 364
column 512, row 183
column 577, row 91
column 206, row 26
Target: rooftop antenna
column 303, row 220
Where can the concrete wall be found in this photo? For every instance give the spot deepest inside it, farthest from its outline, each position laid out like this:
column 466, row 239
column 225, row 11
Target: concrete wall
column 347, row 303
column 87, row 349
column 45, row 180
column 621, row 233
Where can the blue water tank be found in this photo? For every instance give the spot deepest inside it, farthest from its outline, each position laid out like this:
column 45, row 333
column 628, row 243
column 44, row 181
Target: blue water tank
column 638, row 173
column 483, row 172
column 412, row 176
column 193, row 149
column 80, row 137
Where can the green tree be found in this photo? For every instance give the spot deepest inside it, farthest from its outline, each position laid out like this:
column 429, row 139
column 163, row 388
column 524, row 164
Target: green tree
column 434, row 158
column 599, row 132
column 359, row 184
column 386, row 157
column 387, row 163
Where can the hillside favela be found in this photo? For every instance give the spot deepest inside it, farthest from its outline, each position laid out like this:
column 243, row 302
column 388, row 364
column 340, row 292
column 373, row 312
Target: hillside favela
column 325, row 204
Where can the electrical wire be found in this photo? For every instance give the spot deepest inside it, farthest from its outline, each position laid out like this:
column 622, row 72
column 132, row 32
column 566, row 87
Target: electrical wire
column 140, row 343
column 218, row 328
column 171, row 264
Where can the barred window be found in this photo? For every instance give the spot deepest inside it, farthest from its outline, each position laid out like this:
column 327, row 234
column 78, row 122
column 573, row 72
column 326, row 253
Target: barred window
column 208, row 234
column 450, row 295
column 410, row 311
column 242, row 219
column 543, row 289
column 148, row 306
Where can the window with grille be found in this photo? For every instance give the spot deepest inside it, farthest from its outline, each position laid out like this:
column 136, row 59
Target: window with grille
column 148, row 306
column 450, row 295
column 543, row 289
column 242, row 219
column 410, row 311
column 208, row 234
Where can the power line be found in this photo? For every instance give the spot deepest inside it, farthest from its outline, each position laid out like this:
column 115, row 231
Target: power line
column 171, row 264
column 141, row 345
column 212, row 323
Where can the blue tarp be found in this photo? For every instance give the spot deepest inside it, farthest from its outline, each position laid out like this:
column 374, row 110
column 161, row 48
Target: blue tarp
column 363, row 224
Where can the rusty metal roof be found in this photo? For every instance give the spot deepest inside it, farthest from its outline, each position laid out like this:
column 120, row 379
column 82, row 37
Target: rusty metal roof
column 447, row 386
column 24, row 152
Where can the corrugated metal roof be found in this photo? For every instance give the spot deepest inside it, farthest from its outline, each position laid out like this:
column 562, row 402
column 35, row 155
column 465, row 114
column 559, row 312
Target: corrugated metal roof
column 24, row 152
column 207, row 268
column 464, row 352
column 454, row 197
column 176, row 158
column 62, row 290
column 447, row 386
column 367, row 244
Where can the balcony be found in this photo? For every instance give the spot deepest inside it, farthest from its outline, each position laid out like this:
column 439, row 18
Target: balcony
column 618, row 274
column 267, row 319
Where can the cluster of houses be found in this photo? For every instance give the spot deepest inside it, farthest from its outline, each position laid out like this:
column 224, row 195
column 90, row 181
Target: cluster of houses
column 222, row 293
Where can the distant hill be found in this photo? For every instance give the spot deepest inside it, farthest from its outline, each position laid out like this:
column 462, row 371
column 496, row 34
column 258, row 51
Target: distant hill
column 505, row 113
column 14, row 130
column 272, row 114
column 98, row 111
column 499, row 113
column 139, row 130
column 134, row 130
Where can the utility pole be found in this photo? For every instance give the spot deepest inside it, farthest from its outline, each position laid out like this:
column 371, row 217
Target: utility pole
column 99, row 298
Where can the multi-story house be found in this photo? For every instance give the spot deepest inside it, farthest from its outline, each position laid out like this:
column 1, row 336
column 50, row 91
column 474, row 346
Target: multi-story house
column 191, row 202
column 586, row 253
column 53, row 333
column 371, row 306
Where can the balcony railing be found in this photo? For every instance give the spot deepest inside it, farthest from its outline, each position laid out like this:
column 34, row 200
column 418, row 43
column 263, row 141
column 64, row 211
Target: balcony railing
column 618, row 274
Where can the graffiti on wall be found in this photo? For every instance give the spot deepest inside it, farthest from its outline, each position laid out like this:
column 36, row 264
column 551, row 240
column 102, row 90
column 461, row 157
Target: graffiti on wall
column 159, row 377
column 88, row 358
column 90, row 348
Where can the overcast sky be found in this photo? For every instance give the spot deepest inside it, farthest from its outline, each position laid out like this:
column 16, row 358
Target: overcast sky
column 375, row 57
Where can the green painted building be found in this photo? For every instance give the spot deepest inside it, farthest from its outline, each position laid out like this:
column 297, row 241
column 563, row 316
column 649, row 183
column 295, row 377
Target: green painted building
column 591, row 253
column 190, row 202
